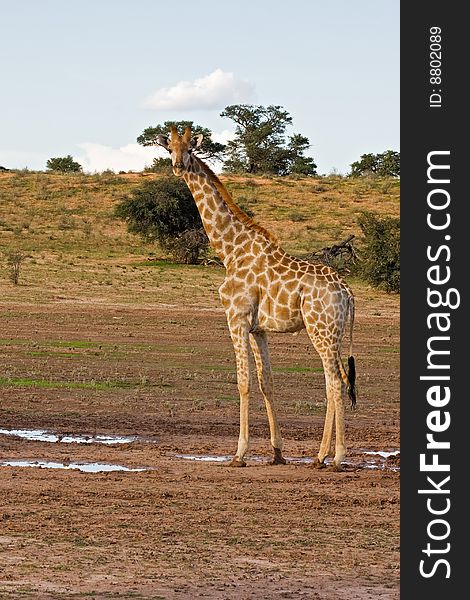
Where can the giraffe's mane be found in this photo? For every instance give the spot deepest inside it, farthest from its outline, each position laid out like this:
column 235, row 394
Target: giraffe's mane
column 234, row 208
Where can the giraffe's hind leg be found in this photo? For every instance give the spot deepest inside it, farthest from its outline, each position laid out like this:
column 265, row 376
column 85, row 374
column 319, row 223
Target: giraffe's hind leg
column 334, row 388
column 334, row 412
column 325, row 322
column 328, row 349
column 325, row 444
column 340, row 444
column 259, row 346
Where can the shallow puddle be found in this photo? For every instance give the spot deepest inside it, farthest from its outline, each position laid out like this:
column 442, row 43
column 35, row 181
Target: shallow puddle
column 41, row 435
column 84, row 467
column 204, row 458
column 377, row 460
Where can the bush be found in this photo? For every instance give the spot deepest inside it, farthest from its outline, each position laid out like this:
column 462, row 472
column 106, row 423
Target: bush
column 160, row 165
column 379, row 260
column 164, row 211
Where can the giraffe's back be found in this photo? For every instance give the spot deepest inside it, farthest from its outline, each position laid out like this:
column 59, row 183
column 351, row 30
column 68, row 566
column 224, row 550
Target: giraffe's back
column 288, row 285
column 274, row 288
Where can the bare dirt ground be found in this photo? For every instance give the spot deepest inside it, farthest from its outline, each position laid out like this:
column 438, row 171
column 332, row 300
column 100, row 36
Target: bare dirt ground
column 184, row 528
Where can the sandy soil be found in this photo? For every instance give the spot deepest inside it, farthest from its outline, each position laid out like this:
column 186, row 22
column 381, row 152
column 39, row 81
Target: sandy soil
column 182, row 528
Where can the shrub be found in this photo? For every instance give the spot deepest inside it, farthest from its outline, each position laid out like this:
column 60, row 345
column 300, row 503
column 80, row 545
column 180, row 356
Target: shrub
column 164, row 211
column 64, row 164
column 379, row 260
column 14, row 261
column 160, row 165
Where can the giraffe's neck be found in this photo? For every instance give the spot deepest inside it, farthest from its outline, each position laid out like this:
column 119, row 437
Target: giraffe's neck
column 222, row 223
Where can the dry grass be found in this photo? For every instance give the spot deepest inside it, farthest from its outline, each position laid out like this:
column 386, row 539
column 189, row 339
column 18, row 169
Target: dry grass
column 77, row 249
column 88, row 345
column 307, row 214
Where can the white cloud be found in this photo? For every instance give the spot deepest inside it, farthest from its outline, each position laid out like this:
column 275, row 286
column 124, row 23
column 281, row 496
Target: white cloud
column 96, row 158
column 17, row 159
column 131, row 157
column 224, row 136
column 215, row 90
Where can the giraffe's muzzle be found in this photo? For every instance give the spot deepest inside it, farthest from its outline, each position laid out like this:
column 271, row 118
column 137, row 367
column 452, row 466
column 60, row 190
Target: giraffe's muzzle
column 178, row 168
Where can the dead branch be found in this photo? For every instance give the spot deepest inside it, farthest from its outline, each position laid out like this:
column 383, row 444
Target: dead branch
column 342, row 253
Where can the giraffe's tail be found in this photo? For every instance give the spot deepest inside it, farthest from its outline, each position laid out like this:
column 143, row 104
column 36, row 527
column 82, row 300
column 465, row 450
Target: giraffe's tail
column 351, row 386
column 349, row 378
column 352, row 381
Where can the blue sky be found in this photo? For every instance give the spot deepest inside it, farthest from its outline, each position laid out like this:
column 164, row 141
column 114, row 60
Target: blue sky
column 85, row 78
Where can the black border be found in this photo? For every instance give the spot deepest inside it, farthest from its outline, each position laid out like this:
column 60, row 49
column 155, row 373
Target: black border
column 425, row 129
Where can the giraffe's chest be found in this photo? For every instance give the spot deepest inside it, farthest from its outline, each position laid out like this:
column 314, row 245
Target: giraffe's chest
column 269, row 290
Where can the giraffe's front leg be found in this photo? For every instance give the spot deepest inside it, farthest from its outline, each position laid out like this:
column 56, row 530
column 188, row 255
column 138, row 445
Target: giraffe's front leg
column 259, row 346
column 239, row 334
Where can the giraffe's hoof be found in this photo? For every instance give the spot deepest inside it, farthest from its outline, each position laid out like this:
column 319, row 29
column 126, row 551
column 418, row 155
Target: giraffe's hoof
column 318, row 464
column 278, row 458
column 335, row 467
column 236, row 462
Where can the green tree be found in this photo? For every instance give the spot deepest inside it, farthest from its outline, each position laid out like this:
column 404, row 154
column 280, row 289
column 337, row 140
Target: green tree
column 164, row 211
column 64, row 164
column 389, row 164
column 260, row 144
column 386, row 164
column 208, row 149
column 298, row 162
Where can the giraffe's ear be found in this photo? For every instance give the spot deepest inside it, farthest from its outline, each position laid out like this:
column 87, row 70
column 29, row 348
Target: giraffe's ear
column 163, row 141
column 197, row 141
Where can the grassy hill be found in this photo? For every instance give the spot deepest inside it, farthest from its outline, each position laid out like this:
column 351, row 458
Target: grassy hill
column 65, row 224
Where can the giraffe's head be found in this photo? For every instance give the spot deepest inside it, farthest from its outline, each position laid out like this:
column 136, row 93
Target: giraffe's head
column 180, row 148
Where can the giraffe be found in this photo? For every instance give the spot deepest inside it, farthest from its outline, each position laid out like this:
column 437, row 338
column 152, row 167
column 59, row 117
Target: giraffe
column 267, row 290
